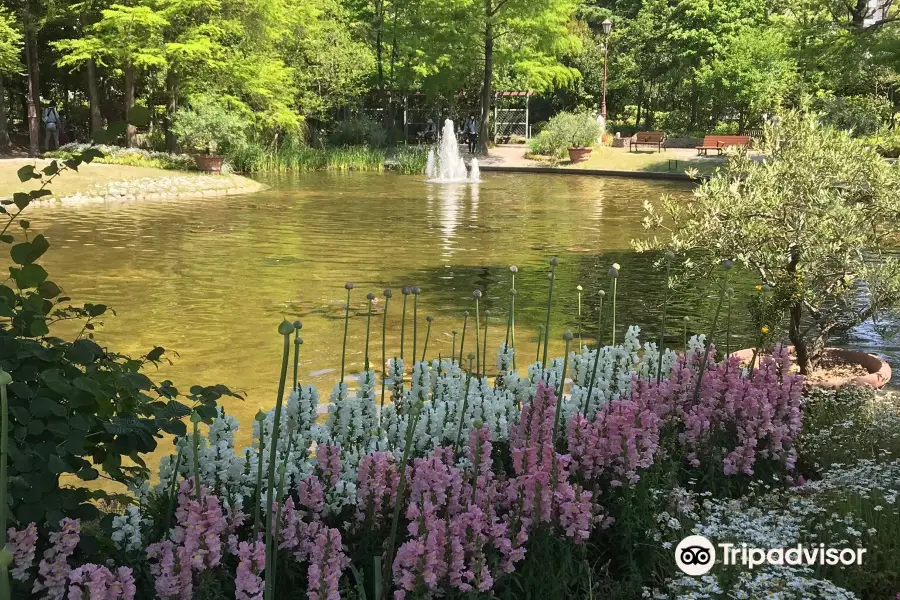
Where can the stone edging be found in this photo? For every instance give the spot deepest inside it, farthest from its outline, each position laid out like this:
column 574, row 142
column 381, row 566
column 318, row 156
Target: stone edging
column 596, row 172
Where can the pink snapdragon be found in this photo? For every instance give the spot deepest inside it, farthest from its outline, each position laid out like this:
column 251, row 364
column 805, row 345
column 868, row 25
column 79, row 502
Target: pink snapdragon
column 328, row 457
column 171, row 570
column 200, row 528
column 376, row 491
column 54, row 568
column 22, row 545
column 326, row 562
column 95, row 582
column 249, row 585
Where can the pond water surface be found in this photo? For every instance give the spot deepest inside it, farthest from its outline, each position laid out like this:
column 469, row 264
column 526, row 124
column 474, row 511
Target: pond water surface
column 210, row 279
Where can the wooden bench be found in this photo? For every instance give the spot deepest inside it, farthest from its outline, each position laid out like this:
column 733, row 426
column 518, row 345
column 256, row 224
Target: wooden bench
column 648, row 138
column 720, row 142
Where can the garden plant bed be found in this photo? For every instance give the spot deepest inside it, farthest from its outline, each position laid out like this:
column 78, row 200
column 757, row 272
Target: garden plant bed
column 837, row 368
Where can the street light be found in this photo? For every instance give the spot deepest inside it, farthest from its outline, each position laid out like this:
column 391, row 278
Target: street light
column 607, row 29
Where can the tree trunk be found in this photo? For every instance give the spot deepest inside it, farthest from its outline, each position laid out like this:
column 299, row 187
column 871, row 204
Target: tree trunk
column 31, row 93
column 4, row 128
column 94, row 96
column 640, row 104
column 131, row 130
column 487, row 90
column 379, row 43
column 795, row 333
column 171, row 107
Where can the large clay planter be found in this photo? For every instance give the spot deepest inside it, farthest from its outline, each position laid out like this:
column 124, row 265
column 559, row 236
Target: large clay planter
column 579, row 154
column 209, row 163
column 879, row 370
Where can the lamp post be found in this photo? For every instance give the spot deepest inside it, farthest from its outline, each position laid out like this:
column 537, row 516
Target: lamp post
column 607, row 28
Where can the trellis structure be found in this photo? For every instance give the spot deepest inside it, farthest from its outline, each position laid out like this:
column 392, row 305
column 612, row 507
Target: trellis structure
column 511, row 115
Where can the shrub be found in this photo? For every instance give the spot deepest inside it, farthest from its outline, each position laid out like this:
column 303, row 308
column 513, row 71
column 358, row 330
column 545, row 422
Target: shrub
column 136, row 157
column 564, row 131
column 358, row 131
column 863, row 115
column 209, row 127
column 818, row 221
column 886, row 142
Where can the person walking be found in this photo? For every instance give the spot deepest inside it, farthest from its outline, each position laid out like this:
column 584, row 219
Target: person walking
column 52, row 126
column 472, row 133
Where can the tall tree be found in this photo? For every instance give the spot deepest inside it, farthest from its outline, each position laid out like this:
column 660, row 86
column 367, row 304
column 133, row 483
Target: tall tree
column 544, row 24
column 10, row 47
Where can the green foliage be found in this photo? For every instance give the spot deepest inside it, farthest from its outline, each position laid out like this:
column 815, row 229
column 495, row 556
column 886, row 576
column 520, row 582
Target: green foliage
column 76, row 408
column 817, row 221
column 886, row 142
column 10, row 43
column 411, row 160
column 135, row 157
column 564, row 131
column 358, row 131
column 208, row 127
column 863, row 115
column 298, row 157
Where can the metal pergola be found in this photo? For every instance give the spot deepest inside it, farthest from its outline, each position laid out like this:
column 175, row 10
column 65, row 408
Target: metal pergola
column 511, row 118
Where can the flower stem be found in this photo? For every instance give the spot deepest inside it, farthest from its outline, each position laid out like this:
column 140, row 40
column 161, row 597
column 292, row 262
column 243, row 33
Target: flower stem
column 260, row 418
column 387, row 299
column 580, row 343
column 590, row 390
column 5, row 559
column 403, row 322
column 709, row 339
column 553, row 263
column 368, row 330
column 615, row 285
column 465, row 404
column 662, row 324
column 346, row 326
column 477, row 339
column 537, row 358
column 401, row 489
column 453, row 351
column 462, row 342
column 427, row 335
column 276, row 429
column 415, row 323
column 297, row 343
column 195, row 441
column 484, row 346
column 173, row 486
column 567, row 336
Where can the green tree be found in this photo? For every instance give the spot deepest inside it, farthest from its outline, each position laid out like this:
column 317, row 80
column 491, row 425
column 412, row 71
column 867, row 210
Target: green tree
column 10, row 49
column 818, row 221
column 128, row 36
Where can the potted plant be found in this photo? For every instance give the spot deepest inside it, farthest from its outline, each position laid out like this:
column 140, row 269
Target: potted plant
column 573, row 132
column 817, row 223
column 208, row 130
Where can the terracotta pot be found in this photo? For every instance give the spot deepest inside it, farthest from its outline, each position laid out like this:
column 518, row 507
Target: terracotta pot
column 879, row 370
column 209, row 163
column 579, row 154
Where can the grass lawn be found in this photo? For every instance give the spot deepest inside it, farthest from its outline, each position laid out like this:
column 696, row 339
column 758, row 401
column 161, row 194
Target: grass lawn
column 72, row 182
column 620, row 159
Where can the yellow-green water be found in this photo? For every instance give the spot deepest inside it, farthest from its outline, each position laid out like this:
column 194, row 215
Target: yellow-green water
column 210, row 279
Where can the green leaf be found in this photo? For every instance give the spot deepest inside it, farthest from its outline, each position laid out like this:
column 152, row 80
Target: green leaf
column 54, row 380
column 35, row 194
column 48, row 289
column 58, row 427
column 38, row 328
column 42, row 406
column 25, row 173
column 79, row 422
column 28, row 252
column 89, row 474
column 21, row 414
column 73, row 163
column 57, row 465
column 90, row 154
column 6, row 238
column 90, row 386
column 95, row 310
column 139, row 116
column 35, row 427
column 29, row 276
column 21, row 200
column 51, row 169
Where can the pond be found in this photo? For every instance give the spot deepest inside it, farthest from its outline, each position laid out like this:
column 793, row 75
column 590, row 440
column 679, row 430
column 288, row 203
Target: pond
column 211, row 279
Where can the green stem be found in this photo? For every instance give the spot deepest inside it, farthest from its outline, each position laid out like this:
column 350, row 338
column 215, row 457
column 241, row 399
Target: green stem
column 484, row 346
column 662, row 327
column 403, row 324
column 387, row 299
column 427, row 335
column 260, row 418
column 537, row 357
column 415, row 324
column 195, row 419
column 173, row 487
column 346, row 327
column 401, row 490
column 462, row 342
column 562, row 384
column 580, row 342
column 276, row 429
column 728, row 328
column 297, row 343
column 5, row 379
column 590, row 390
column 368, row 330
column 549, row 306
column 453, row 351
column 615, row 285
column 477, row 339
column 465, row 405
column 709, row 339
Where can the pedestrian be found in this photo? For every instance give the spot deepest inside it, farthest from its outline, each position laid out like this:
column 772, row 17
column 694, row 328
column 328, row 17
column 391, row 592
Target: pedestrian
column 52, row 126
column 472, row 133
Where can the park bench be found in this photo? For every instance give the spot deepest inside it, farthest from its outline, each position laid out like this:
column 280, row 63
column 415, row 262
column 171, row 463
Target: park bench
column 720, row 142
column 648, row 138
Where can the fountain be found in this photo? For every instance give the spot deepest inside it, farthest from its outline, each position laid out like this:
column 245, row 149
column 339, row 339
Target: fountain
column 447, row 166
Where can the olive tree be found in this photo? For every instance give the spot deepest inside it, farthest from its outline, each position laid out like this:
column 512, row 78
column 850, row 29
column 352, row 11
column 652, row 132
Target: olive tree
column 816, row 215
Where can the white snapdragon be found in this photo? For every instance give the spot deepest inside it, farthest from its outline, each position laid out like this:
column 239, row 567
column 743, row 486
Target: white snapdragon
column 126, row 530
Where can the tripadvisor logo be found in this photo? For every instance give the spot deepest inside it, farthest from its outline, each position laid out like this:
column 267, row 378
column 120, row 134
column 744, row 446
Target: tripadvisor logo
column 695, row 555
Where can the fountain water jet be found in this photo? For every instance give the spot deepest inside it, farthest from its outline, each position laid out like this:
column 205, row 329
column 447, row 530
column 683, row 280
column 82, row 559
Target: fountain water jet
column 447, row 166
